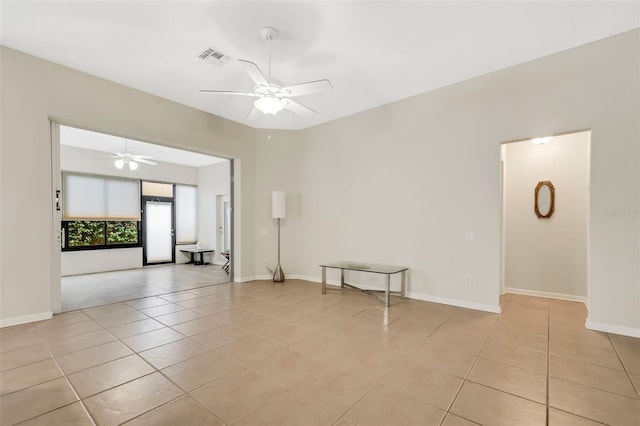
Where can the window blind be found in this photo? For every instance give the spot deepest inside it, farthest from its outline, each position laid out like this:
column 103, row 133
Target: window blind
column 92, row 197
column 186, row 205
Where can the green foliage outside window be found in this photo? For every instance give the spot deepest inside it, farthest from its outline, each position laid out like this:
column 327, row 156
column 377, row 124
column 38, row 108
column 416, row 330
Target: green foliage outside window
column 83, row 233
column 122, row 232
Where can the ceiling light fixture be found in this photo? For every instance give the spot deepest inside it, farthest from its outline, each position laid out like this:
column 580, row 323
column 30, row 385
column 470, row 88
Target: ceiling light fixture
column 120, row 162
column 270, row 104
column 542, row 141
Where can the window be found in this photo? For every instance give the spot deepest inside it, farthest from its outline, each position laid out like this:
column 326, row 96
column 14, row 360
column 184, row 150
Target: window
column 100, row 234
column 157, row 189
column 91, row 197
column 186, row 214
column 100, row 212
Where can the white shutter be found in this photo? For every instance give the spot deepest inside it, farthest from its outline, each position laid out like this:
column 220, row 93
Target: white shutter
column 89, row 197
column 186, row 199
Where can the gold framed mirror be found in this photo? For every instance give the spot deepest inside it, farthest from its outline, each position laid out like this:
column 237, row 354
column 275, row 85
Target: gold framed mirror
column 545, row 197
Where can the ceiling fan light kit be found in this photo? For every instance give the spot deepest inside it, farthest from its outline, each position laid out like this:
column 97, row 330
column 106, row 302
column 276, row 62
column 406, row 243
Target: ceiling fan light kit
column 120, row 162
column 131, row 160
column 269, row 104
column 271, row 96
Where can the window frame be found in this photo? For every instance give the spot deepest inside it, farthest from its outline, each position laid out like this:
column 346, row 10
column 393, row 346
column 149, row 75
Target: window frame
column 105, row 246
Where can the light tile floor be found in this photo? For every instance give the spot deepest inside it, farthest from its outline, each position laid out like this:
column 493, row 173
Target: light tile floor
column 283, row 354
column 88, row 290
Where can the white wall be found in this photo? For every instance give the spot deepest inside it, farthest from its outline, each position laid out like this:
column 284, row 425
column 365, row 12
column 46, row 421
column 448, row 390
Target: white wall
column 547, row 256
column 401, row 183
column 90, row 261
column 281, row 157
column 213, row 180
column 35, row 91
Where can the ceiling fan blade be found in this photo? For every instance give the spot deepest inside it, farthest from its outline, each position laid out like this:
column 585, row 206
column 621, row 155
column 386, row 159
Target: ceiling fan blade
column 255, row 113
column 311, row 87
column 254, row 72
column 228, row 92
column 144, row 161
column 299, row 109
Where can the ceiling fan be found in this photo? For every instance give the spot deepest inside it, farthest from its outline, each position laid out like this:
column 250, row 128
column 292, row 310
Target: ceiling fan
column 272, row 96
column 131, row 160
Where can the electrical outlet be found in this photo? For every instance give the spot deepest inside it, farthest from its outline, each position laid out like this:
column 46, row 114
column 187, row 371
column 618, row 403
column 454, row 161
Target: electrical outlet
column 467, row 279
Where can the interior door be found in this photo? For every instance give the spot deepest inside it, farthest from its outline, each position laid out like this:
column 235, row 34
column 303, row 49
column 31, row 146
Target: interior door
column 158, row 232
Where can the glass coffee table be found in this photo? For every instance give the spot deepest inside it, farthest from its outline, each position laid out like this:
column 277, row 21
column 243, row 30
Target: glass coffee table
column 387, row 270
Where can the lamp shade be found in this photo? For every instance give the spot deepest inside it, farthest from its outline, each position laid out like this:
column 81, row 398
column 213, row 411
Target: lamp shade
column 278, row 205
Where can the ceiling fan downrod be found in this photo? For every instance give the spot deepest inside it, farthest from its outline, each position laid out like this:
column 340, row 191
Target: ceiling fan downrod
column 268, row 33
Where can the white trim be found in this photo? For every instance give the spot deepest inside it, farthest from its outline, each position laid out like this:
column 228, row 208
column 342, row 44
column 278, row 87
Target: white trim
column 237, row 279
column 410, row 295
column 424, row 297
column 455, row 302
column 266, row 277
column 548, row 295
column 612, row 328
column 24, row 319
column 336, row 283
column 270, row 277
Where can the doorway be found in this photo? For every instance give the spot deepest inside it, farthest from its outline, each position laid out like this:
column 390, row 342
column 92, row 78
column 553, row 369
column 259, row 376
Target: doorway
column 546, row 254
column 223, row 222
column 94, row 153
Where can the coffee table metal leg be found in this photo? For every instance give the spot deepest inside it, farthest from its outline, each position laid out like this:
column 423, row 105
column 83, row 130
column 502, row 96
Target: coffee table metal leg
column 341, row 278
column 324, row 280
column 387, row 290
column 403, row 288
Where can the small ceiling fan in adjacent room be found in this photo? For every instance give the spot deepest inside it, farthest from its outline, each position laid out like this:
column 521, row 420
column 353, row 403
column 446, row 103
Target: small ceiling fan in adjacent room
column 131, row 160
column 272, row 96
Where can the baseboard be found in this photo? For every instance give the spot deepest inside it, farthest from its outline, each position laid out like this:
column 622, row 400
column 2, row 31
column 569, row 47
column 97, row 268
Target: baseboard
column 612, row 328
column 417, row 296
column 270, row 277
column 455, row 302
column 244, row 279
column 24, row 319
column 546, row 294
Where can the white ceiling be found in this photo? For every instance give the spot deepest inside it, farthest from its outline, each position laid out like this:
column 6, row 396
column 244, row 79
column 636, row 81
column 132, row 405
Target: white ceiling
column 373, row 52
column 86, row 139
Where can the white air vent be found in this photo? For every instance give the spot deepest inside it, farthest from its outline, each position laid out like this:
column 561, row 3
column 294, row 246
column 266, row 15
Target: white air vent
column 213, row 56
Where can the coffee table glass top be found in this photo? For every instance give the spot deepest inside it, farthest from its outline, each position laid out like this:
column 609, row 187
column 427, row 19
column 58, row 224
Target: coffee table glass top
column 366, row 267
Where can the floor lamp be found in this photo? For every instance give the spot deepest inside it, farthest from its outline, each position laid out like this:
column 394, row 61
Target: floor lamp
column 278, row 211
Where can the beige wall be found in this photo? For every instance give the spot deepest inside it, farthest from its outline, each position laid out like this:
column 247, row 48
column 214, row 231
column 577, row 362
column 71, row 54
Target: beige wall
column 213, row 180
column 33, row 91
column 397, row 184
column 402, row 183
column 547, row 257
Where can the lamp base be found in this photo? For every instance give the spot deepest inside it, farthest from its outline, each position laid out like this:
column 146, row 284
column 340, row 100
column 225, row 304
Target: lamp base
column 278, row 275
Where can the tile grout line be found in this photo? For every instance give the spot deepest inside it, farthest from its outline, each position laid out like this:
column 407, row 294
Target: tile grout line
column 465, row 379
column 73, row 389
column 404, row 358
column 626, row 370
